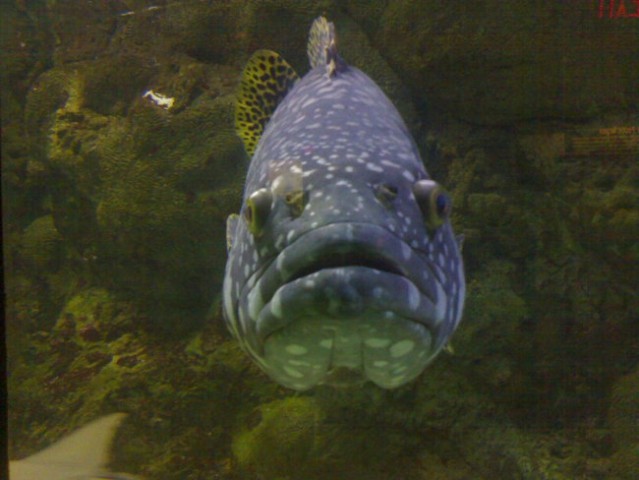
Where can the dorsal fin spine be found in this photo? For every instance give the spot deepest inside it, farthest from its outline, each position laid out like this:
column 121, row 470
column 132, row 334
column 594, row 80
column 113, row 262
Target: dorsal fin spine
column 322, row 47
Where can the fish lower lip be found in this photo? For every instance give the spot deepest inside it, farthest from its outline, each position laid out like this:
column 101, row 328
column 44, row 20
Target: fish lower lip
column 344, row 326
column 343, row 293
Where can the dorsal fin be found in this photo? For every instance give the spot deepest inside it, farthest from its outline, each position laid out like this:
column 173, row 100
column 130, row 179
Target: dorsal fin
column 266, row 80
column 322, row 47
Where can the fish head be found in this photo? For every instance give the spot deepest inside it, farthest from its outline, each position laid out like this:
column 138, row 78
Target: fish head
column 342, row 275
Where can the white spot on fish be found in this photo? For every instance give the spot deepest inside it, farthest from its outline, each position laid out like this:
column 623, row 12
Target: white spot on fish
column 228, row 303
column 408, row 176
column 374, row 168
column 308, row 102
column 440, row 305
column 279, row 264
column 388, row 163
column 299, row 363
column 401, row 348
column 255, row 303
column 377, row 342
column 397, row 380
column 295, row 349
column 326, row 343
column 291, row 372
column 406, row 251
column 276, row 305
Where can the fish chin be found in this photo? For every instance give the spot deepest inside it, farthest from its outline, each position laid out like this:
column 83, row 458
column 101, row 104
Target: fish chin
column 345, row 297
column 345, row 325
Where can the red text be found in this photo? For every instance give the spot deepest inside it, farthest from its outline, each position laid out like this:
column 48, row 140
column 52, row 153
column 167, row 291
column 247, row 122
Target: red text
column 618, row 8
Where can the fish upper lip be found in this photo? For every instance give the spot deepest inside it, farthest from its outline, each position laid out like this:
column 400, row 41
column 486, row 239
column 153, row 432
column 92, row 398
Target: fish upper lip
column 363, row 248
column 346, row 259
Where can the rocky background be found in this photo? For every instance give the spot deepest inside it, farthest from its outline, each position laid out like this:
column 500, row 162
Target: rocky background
column 114, row 237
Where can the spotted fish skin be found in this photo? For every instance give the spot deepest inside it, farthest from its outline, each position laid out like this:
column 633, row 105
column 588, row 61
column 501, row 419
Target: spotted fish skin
column 342, row 265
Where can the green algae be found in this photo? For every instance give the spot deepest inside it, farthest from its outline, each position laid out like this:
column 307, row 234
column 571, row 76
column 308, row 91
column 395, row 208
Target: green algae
column 623, row 411
column 624, row 463
column 41, row 242
column 282, row 441
column 299, row 437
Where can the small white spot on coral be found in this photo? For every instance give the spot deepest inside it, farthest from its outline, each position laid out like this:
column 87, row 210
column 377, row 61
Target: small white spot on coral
column 159, row 99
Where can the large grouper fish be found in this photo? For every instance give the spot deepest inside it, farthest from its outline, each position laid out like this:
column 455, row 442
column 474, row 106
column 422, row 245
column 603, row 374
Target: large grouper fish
column 342, row 264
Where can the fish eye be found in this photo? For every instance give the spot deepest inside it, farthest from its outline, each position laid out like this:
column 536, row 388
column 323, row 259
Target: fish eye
column 433, row 201
column 257, row 210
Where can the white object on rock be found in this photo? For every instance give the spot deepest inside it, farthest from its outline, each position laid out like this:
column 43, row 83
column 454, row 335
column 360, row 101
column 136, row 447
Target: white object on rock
column 159, row 99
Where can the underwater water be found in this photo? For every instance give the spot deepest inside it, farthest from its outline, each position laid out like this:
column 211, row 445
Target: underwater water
column 121, row 164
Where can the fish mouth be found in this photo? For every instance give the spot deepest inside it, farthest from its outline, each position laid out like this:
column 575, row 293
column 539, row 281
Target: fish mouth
column 345, row 296
column 329, row 259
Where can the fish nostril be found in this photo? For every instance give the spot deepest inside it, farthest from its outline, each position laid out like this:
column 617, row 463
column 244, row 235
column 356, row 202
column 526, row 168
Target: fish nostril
column 296, row 201
column 385, row 193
